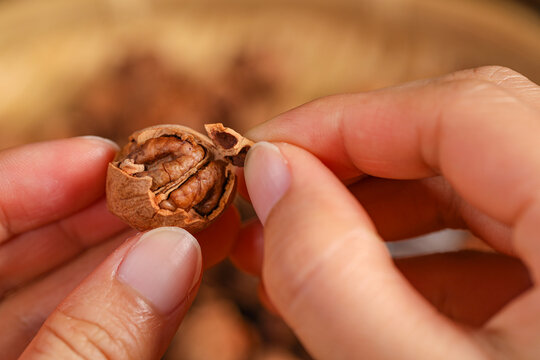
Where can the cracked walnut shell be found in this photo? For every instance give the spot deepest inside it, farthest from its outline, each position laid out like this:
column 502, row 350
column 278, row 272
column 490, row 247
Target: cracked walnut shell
column 171, row 175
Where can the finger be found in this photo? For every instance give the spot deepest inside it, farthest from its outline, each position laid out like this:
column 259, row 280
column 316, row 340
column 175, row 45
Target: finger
column 131, row 306
column 505, row 78
column 514, row 331
column 59, row 241
column 54, row 244
column 24, row 310
column 45, row 182
column 328, row 273
column 467, row 286
column 402, row 209
column 399, row 209
column 247, row 253
column 217, row 240
column 265, row 300
column 459, row 129
column 241, row 185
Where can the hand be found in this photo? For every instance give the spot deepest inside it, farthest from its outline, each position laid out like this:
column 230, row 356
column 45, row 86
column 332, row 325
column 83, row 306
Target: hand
column 55, row 231
column 461, row 151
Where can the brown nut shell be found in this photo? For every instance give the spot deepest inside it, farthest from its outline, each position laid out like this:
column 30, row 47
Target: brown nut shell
column 170, row 175
column 233, row 146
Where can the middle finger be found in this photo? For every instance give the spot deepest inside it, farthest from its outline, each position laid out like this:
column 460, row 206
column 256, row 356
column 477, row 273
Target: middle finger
column 399, row 209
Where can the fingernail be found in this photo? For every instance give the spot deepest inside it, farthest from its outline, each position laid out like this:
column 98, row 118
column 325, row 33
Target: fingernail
column 101, row 140
column 164, row 266
column 267, row 177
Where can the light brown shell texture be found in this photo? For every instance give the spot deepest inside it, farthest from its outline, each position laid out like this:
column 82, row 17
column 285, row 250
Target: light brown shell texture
column 172, row 175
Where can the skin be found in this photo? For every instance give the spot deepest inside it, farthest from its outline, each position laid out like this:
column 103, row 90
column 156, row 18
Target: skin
column 57, row 248
column 460, row 151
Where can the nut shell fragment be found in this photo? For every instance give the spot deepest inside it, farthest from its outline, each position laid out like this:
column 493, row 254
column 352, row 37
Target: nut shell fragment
column 171, row 175
column 232, row 145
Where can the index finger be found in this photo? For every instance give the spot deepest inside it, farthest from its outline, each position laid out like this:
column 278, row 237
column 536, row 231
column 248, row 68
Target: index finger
column 481, row 136
column 44, row 182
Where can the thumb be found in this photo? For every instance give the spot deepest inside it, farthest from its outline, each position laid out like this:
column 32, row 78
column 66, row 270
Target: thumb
column 329, row 274
column 130, row 306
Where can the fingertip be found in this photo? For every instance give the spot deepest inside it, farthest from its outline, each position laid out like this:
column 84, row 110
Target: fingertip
column 101, row 141
column 267, row 177
column 131, row 305
column 175, row 258
column 314, row 196
column 69, row 173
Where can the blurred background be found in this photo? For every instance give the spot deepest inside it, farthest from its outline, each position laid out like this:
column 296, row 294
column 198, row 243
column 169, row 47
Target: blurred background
column 109, row 67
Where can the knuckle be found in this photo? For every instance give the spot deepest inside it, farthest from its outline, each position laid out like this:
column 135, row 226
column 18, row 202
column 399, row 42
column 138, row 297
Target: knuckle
column 454, row 97
column 496, row 75
column 81, row 338
column 468, row 95
column 461, row 88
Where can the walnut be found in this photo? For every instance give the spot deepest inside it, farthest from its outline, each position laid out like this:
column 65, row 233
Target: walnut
column 171, row 175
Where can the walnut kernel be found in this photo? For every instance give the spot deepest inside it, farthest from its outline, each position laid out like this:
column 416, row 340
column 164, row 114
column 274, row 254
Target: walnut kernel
column 171, row 175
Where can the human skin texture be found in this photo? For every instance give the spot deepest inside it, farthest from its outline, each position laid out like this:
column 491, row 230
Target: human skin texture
column 460, row 151
column 351, row 171
column 68, row 288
